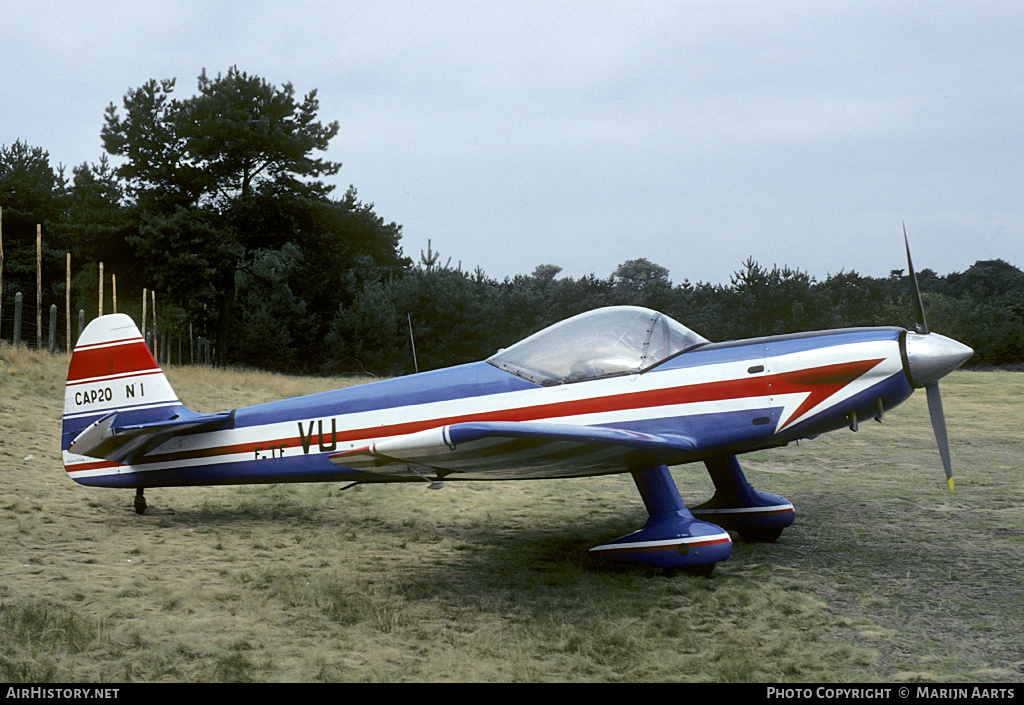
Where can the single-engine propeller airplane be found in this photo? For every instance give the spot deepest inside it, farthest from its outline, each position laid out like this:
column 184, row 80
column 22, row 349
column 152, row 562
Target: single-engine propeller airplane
column 616, row 390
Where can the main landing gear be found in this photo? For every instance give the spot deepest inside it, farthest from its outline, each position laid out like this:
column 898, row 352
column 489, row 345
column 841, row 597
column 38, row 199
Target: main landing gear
column 678, row 539
column 672, row 539
column 757, row 517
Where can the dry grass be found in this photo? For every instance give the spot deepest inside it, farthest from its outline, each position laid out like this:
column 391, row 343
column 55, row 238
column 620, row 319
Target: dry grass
column 885, row 576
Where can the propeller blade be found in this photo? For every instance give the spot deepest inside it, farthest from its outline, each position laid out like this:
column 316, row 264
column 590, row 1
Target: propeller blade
column 932, row 387
column 939, row 427
column 920, row 325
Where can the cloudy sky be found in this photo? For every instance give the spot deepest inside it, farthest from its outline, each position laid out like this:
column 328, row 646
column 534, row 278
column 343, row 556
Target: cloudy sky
column 695, row 133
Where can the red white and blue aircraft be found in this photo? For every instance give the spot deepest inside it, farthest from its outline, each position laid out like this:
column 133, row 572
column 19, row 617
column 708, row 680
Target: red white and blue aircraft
column 616, row 390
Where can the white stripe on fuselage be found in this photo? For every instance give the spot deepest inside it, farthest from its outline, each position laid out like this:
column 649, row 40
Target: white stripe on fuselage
column 443, row 412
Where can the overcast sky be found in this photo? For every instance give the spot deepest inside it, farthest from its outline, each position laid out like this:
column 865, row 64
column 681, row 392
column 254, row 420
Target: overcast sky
column 584, row 134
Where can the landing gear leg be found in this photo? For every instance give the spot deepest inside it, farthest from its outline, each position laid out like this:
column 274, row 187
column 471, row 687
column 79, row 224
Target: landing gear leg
column 757, row 516
column 140, row 501
column 672, row 538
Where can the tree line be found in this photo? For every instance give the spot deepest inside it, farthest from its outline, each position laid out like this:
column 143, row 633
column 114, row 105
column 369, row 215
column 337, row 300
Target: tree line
column 218, row 201
column 460, row 316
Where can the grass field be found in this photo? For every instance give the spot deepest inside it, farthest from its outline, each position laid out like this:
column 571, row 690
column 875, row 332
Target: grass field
column 885, row 576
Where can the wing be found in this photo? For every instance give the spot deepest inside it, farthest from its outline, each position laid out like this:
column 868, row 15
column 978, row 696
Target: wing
column 121, row 444
column 511, row 450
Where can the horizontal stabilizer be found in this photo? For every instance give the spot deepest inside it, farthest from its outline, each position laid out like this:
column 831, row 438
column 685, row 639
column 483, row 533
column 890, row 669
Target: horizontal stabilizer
column 513, row 449
column 121, row 444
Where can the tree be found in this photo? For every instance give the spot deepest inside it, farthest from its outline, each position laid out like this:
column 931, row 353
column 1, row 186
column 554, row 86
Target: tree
column 27, row 181
column 154, row 167
column 641, row 282
column 766, row 302
column 218, row 177
column 246, row 135
column 32, row 193
column 989, row 278
column 95, row 223
column 273, row 322
column 636, row 274
column 546, row 273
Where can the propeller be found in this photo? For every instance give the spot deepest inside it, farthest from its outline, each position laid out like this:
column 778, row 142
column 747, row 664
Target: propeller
column 930, row 357
column 920, row 324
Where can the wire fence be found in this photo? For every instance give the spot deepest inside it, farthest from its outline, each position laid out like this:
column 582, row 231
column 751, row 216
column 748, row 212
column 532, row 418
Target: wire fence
column 21, row 326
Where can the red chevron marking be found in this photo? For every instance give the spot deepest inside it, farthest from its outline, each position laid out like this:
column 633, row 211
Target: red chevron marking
column 820, row 382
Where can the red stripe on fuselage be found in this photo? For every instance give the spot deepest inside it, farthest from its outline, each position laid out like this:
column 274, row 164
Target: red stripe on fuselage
column 819, row 382
column 708, row 391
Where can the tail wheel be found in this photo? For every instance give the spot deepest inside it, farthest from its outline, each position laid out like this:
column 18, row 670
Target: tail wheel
column 140, row 501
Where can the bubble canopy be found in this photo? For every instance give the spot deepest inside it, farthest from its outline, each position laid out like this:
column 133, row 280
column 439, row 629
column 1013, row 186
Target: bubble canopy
column 605, row 342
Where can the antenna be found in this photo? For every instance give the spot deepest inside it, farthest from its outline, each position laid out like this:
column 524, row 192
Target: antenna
column 412, row 341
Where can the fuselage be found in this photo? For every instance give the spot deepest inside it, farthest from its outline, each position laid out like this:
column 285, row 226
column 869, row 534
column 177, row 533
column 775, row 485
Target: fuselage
column 729, row 398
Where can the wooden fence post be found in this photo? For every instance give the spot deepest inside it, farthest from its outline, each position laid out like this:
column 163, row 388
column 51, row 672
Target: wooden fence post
column 52, row 342
column 39, row 287
column 1, row 268
column 17, row 319
column 67, row 307
column 156, row 350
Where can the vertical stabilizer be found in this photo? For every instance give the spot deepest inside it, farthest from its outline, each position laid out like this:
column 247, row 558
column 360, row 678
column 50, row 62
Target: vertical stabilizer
column 112, row 371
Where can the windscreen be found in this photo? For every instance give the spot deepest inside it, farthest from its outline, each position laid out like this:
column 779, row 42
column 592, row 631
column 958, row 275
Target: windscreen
column 601, row 343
